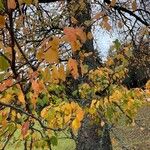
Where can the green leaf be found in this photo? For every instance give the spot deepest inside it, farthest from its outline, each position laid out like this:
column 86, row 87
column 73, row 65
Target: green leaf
column 2, row 77
column 43, row 102
column 1, row 5
column 54, row 140
column 117, row 44
column 3, row 64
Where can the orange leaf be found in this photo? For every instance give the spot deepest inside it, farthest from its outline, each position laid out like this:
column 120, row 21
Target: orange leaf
column 25, row 128
column 11, row 4
column 75, row 45
column 81, row 34
column 73, row 67
column 37, row 86
column 73, row 35
column 8, row 82
column 2, row 87
column 80, row 114
column 21, row 97
column 70, row 34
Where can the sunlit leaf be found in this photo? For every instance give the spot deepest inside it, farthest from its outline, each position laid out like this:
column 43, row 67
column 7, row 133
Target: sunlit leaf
column 76, row 124
column 21, row 97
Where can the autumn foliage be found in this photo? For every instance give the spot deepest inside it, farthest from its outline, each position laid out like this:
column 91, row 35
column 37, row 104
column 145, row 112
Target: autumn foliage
column 48, row 88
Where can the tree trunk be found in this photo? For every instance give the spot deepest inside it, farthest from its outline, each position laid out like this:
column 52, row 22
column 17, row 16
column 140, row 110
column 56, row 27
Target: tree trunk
column 90, row 136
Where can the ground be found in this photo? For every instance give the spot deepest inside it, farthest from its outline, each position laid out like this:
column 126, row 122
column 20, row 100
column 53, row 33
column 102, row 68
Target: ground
column 134, row 137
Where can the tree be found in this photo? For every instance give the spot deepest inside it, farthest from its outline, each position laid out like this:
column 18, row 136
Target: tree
column 52, row 78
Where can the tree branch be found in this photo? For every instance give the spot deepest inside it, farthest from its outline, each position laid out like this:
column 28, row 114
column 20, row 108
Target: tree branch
column 30, row 115
column 119, row 8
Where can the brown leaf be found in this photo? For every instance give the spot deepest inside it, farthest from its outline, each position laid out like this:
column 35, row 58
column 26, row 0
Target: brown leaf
column 134, row 5
column 11, row 4
column 2, row 21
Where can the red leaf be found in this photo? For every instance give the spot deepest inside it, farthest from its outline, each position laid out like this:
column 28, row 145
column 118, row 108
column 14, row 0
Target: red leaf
column 25, row 128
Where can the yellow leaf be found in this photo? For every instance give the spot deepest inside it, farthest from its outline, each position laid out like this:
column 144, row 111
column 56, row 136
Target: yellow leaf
column 34, row 100
column 110, row 62
column 44, row 112
column 67, row 118
column 62, row 74
column 21, row 97
column 13, row 115
column 51, row 56
column 73, row 67
column 75, row 125
column 40, row 55
column 2, row 21
column 28, row 2
column 73, row 105
column 54, row 75
column 11, row 4
column 46, row 74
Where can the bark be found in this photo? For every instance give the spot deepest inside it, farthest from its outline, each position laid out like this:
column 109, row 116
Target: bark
column 90, row 136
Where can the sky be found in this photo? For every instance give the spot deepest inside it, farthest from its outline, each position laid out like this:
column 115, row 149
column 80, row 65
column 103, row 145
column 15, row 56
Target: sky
column 104, row 40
